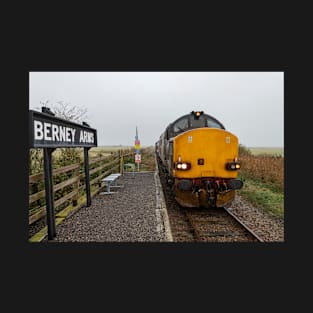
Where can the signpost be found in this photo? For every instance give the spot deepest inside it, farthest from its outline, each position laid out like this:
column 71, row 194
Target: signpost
column 49, row 132
column 137, row 148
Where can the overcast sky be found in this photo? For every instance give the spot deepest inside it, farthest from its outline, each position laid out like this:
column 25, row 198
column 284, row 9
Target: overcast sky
column 248, row 104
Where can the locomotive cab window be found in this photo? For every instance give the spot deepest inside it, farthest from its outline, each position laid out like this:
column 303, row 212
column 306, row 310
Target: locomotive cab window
column 212, row 123
column 204, row 121
column 192, row 121
column 181, row 125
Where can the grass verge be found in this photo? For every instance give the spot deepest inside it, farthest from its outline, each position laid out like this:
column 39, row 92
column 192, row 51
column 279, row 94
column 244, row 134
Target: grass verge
column 263, row 196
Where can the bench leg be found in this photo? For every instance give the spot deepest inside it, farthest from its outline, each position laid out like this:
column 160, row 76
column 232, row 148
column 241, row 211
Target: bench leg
column 108, row 189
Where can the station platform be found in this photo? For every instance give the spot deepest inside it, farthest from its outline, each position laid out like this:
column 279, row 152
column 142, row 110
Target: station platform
column 136, row 212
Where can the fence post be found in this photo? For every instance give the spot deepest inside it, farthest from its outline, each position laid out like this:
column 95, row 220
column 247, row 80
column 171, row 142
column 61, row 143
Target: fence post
column 121, row 162
column 75, row 198
column 87, row 178
column 47, row 153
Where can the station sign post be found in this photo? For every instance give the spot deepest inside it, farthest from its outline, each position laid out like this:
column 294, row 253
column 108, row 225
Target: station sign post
column 49, row 132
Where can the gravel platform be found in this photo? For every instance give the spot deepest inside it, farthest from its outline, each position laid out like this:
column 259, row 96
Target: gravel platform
column 129, row 215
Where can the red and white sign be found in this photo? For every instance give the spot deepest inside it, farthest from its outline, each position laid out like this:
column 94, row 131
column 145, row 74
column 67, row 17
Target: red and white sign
column 137, row 158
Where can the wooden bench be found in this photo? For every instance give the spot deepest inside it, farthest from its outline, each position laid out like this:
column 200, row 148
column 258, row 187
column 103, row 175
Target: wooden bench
column 109, row 183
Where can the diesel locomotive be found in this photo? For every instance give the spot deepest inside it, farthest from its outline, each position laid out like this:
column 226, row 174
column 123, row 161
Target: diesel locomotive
column 200, row 159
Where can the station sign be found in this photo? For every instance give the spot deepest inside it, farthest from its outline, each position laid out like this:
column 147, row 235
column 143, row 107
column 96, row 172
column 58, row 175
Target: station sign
column 48, row 131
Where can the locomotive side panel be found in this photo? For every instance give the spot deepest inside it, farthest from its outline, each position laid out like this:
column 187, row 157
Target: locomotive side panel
column 162, row 148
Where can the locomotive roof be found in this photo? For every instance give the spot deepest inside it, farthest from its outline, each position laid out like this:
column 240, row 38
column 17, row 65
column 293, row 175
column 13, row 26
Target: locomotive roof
column 192, row 113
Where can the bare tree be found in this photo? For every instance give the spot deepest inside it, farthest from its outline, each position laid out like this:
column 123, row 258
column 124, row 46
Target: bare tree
column 67, row 111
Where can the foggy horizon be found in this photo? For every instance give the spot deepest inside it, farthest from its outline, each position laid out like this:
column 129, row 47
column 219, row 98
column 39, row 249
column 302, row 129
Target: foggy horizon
column 249, row 104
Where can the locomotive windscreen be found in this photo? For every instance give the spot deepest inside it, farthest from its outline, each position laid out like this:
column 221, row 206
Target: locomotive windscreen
column 204, row 121
column 192, row 121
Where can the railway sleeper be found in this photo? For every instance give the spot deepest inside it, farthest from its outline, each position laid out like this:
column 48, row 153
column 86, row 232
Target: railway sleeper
column 222, row 234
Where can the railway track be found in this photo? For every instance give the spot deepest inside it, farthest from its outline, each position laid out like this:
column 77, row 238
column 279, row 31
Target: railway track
column 218, row 225
column 203, row 225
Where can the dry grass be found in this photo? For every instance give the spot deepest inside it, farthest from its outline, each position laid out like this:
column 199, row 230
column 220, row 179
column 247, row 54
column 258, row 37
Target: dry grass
column 265, row 168
column 263, row 176
column 147, row 159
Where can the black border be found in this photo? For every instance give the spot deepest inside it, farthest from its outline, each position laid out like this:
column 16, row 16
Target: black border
column 173, row 262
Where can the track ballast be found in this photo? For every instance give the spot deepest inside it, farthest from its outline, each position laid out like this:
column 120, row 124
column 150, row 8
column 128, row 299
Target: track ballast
column 201, row 224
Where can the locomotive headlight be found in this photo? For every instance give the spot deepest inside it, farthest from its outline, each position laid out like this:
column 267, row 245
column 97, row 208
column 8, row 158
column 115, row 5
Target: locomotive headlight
column 232, row 166
column 183, row 166
column 197, row 114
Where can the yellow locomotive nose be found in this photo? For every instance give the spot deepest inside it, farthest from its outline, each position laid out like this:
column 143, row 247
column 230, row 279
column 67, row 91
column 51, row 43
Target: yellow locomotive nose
column 209, row 151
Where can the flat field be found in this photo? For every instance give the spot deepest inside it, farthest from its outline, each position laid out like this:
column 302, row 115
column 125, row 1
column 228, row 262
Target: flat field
column 267, row 150
column 105, row 150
